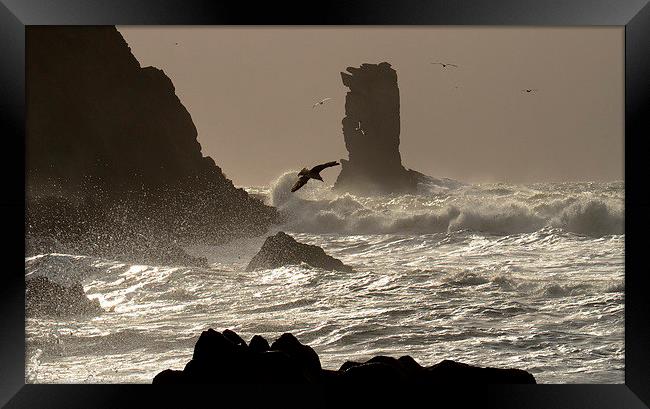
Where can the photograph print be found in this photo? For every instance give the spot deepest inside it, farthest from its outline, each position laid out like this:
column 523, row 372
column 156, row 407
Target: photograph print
column 212, row 204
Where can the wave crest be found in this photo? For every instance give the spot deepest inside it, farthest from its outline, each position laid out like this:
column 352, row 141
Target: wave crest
column 317, row 209
column 591, row 218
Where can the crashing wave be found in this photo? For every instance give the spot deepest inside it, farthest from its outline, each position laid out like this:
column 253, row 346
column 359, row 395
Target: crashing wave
column 500, row 210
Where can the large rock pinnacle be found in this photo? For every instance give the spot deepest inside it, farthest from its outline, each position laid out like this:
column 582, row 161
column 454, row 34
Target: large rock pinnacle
column 371, row 128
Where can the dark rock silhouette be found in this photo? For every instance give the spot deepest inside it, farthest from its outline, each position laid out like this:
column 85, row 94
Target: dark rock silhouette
column 282, row 250
column 44, row 297
column 371, row 128
column 304, row 355
column 407, row 369
column 259, row 344
column 113, row 154
column 217, row 359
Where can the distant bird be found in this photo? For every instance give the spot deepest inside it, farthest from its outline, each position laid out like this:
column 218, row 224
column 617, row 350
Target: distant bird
column 176, row 43
column 528, row 90
column 313, row 173
column 445, row 65
column 321, row 102
column 358, row 128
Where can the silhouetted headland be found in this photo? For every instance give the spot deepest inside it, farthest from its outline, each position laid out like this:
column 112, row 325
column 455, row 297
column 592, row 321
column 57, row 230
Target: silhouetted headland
column 226, row 358
column 113, row 164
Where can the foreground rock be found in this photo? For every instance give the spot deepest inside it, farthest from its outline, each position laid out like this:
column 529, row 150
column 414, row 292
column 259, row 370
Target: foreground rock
column 114, row 159
column 44, row 297
column 226, row 358
column 282, row 250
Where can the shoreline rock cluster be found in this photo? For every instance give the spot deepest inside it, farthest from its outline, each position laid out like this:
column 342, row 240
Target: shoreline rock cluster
column 224, row 357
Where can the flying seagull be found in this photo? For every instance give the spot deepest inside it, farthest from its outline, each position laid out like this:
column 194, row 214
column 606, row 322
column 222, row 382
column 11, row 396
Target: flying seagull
column 321, row 102
column 528, row 90
column 313, row 173
column 358, row 128
column 444, row 64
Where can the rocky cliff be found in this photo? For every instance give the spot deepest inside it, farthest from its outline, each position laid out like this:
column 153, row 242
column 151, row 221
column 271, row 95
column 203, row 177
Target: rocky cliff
column 371, row 129
column 112, row 154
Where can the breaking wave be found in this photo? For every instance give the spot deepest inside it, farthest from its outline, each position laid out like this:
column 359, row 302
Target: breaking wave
column 493, row 209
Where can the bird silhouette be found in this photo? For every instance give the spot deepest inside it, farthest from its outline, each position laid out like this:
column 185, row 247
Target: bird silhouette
column 358, row 128
column 313, row 173
column 445, row 65
column 321, row 102
column 528, row 90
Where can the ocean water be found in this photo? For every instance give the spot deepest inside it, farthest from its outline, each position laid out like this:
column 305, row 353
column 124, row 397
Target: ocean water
column 523, row 276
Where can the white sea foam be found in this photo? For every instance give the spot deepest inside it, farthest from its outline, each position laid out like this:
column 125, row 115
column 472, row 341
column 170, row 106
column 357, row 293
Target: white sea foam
column 493, row 275
column 493, row 209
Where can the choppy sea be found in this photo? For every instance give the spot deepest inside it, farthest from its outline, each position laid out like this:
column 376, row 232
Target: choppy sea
column 522, row 276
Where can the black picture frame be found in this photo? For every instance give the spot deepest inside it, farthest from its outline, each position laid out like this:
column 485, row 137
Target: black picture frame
column 634, row 15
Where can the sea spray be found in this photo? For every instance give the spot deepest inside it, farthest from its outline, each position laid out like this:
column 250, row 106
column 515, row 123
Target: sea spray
column 490, row 209
column 493, row 275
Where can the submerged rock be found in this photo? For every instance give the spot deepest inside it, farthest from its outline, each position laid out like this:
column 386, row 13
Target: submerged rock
column 225, row 358
column 282, row 250
column 45, row 297
column 114, row 156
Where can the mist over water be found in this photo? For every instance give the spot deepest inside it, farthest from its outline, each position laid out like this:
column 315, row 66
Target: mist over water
column 522, row 276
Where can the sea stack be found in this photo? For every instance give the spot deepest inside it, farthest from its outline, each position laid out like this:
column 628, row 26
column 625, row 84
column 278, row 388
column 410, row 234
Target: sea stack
column 371, row 129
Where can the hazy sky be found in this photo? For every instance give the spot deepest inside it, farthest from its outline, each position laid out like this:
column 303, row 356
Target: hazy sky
column 250, row 92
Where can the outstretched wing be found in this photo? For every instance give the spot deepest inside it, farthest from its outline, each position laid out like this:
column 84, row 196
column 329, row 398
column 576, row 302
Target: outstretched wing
column 300, row 183
column 318, row 168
